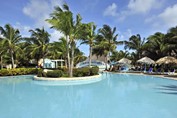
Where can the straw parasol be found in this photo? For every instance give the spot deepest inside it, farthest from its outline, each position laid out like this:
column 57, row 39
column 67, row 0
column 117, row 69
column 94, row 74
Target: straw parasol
column 167, row 60
column 124, row 61
column 146, row 60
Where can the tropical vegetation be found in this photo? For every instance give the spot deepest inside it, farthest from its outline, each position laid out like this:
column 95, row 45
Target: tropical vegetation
column 19, row 51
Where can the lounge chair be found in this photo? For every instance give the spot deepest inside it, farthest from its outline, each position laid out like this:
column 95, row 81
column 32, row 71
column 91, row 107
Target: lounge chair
column 150, row 70
column 172, row 72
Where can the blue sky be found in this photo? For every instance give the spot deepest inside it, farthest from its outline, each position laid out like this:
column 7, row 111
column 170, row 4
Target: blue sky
column 130, row 17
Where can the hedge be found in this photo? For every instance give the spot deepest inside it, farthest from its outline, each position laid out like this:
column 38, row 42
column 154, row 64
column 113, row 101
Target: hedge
column 86, row 71
column 77, row 72
column 54, row 73
column 18, row 71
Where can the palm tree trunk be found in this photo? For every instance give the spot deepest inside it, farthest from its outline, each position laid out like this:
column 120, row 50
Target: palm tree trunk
column 43, row 62
column 106, row 60
column 1, row 62
column 66, row 65
column 90, row 56
column 68, row 55
column 72, row 60
column 12, row 59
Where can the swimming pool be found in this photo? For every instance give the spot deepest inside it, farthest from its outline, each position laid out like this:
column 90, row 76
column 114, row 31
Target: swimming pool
column 115, row 96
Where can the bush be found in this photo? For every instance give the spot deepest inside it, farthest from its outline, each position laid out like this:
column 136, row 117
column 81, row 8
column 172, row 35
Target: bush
column 40, row 71
column 18, row 71
column 77, row 72
column 55, row 73
column 4, row 72
column 86, row 71
column 94, row 70
column 32, row 70
column 44, row 74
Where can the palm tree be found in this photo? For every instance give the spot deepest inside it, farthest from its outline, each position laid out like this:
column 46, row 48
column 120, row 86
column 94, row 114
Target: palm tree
column 171, row 39
column 39, row 43
column 117, row 55
column 106, row 41
column 135, row 43
column 2, row 51
column 107, row 34
column 101, row 49
column 79, row 56
column 11, row 37
column 63, row 21
column 156, row 46
column 89, row 37
column 73, row 38
column 58, row 50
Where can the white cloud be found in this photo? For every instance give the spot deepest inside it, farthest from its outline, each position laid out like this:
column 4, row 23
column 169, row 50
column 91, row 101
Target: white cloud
column 24, row 29
column 124, row 35
column 39, row 10
column 169, row 16
column 55, row 35
column 143, row 6
column 111, row 10
column 164, row 20
column 133, row 7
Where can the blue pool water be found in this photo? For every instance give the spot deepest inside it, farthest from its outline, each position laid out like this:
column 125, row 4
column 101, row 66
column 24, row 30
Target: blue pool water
column 115, row 96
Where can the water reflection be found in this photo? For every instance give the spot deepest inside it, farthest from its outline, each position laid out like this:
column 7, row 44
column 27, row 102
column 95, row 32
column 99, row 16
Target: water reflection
column 168, row 89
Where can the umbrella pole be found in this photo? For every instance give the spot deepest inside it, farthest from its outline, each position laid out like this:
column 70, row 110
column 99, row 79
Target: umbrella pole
column 145, row 68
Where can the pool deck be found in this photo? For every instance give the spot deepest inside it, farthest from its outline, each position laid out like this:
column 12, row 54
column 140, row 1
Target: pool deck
column 172, row 77
column 66, row 78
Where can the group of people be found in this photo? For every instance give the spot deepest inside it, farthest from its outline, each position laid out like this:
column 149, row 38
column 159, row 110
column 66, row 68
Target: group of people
column 154, row 68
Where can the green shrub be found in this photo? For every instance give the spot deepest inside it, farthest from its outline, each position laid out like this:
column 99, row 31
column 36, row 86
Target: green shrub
column 64, row 69
column 32, row 70
column 86, row 71
column 65, row 75
column 4, row 72
column 94, row 70
column 39, row 74
column 18, row 71
column 55, row 73
column 77, row 72
column 44, row 74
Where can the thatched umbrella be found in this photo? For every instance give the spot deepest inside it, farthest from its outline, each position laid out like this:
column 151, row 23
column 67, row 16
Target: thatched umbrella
column 167, row 60
column 124, row 61
column 146, row 60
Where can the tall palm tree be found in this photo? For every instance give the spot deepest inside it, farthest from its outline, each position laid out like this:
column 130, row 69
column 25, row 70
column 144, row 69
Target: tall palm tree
column 101, row 49
column 2, row 52
column 11, row 37
column 63, row 21
column 79, row 56
column 171, row 39
column 135, row 43
column 58, row 50
column 39, row 43
column 106, row 41
column 89, row 37
column 117, row 55
column 73, row 39
column 107, row 34
column 156, row 46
